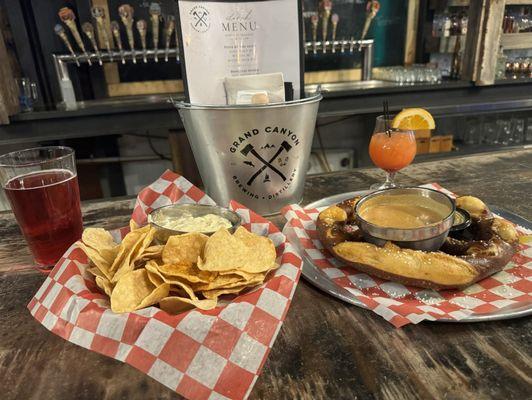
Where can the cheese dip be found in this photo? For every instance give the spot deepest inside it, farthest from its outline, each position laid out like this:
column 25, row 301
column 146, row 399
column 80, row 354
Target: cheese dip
column 185, row 222
column 404, row 211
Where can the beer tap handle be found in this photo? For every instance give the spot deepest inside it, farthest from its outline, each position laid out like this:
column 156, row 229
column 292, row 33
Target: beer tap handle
column 60, row 31
column 372, row 8
column 334, row 21
column 68, row 17
column 314, row 23
column 115, row 29
column 169, row 27
column 155, row 17
column 98, row 13
column 327, row 7
column 125, row 11
column 142, row 27
column 88, row 29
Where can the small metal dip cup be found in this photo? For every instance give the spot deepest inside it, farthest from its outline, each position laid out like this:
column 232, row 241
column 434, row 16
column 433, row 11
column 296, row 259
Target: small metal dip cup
column 427, row 238
column 461, row 225
column 196, row 210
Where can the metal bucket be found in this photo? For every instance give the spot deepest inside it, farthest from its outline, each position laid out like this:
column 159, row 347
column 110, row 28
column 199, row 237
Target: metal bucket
column 255, row 154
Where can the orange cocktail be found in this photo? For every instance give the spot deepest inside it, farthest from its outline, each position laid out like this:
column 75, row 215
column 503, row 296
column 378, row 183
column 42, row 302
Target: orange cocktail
column 392, row 151
column 393, row 144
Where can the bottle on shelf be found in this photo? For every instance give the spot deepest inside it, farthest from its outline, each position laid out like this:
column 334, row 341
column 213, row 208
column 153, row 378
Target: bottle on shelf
column 500, row 71
column 446, row 25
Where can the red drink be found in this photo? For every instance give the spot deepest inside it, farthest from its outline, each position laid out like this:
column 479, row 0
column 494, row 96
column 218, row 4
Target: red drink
column 46, row 205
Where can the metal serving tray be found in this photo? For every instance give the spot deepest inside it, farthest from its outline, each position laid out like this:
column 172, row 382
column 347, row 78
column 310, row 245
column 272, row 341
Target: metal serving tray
column 317, row 278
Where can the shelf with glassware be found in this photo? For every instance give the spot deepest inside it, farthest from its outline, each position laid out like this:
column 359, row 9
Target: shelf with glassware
column 476, row 134
column 448, row 26
column 514, row 60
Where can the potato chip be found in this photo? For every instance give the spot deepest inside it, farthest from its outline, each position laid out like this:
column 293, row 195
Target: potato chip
column 214, row 294
column 133, row 244
column 184, row 249
column 129, row 243
column 247, row 276
column 155, row 278
column 259, row 244
column 98, row 238
column 159, row 293
column 152, row 268
column 105, row 284
column 242, row 251
column 175, row 304
column 97, row 260
column 102, row 241
column 187, row 272
column 95, row 271
column 133, row 226
column 135, row 291
column 152, row 252
column 229, row 281
column 136, row 274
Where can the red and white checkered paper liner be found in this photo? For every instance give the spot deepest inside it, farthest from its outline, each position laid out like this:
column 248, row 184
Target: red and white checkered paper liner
column 216, row 354
column 400, row 304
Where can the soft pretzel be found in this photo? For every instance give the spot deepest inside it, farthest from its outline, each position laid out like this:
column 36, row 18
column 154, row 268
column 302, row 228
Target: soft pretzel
column 477, row 252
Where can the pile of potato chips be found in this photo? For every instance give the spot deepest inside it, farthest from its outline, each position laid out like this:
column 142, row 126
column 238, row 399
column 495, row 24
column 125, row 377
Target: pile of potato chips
column 190, row 270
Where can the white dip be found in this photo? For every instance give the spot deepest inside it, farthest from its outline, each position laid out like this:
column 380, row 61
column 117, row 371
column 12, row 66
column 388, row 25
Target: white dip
column 187, row 223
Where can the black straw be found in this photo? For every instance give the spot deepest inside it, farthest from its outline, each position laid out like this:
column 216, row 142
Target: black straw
column 386, row 118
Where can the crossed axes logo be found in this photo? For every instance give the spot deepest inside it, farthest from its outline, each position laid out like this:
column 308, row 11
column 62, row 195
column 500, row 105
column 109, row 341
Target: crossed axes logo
column 200, row 18
column 200, row 21
column 266, row 164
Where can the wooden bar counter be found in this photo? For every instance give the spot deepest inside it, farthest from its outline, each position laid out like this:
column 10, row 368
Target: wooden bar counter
column 326, row 348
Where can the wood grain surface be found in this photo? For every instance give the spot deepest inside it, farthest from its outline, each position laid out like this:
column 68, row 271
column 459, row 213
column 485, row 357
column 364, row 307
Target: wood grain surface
column 326, row 349
column 8, row 87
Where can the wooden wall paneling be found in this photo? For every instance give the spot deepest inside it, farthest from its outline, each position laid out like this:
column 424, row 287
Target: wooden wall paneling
column 110, row 70
column 8, row 86
column 144, row 88
column 412, row 23
column 330, row 76
column 479, row 61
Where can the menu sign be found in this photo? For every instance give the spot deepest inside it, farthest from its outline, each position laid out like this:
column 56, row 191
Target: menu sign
column 220, row 39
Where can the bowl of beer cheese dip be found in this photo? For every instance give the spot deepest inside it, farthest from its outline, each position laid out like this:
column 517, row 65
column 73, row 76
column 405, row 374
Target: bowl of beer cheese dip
column 412, row 217
column 177, row 219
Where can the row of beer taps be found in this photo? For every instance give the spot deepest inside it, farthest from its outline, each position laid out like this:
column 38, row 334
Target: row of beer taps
column 126, row 13
column 324, row 14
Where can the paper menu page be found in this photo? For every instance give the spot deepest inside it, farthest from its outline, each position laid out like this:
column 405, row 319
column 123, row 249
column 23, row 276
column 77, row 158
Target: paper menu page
column 221, row 39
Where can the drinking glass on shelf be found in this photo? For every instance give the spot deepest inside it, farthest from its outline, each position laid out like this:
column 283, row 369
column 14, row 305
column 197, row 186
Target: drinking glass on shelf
column 391, row 150
column 490, row 130
column 518, row 130
column 528, row 130
column 504, row 131
column 472, row 131
column 41, row 185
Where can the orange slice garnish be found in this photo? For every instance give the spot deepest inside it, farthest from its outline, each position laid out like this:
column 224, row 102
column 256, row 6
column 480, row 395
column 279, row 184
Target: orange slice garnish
column 413, row 119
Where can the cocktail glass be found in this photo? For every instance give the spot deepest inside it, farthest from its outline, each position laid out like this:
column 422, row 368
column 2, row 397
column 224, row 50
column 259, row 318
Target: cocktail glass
column 391, row 150
column 41, row 185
